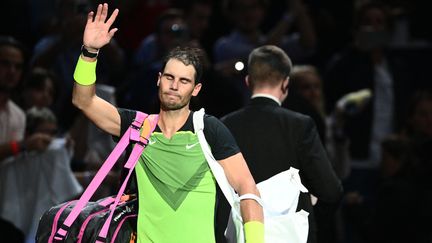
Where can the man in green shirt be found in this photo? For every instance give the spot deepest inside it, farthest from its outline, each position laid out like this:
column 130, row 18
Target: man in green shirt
column 176, row 188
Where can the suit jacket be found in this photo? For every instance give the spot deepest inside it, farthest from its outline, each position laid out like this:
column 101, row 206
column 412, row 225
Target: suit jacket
column 273, row 139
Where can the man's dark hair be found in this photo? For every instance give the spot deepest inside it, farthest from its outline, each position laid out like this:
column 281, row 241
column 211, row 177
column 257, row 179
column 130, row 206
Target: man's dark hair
column 269, row 65
column 188, row 56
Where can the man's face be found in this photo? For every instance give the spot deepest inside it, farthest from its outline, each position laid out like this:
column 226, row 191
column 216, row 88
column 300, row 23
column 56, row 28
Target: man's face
column 11, row 66
column 177, row 85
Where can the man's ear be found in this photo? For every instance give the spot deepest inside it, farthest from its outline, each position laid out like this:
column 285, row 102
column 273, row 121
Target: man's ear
column 196, row 89
column 159, row 78
column 285, row 85
column 247, row 81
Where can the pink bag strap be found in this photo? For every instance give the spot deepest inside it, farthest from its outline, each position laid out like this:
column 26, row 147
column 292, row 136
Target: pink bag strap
column 131, row 134
column 130, row 164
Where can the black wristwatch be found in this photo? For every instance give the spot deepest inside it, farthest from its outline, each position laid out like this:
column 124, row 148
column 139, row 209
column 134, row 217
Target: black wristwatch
column 87, row 53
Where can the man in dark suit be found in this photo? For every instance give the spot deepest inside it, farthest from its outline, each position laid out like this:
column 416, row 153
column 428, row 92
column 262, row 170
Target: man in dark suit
column 273, row 138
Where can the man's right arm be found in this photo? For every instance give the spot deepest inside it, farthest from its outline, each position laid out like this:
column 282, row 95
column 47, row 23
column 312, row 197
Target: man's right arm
column 97, row 34
column 99, row 111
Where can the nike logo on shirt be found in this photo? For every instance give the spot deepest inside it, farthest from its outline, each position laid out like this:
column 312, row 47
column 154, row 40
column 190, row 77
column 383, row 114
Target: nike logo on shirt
column 189, row 146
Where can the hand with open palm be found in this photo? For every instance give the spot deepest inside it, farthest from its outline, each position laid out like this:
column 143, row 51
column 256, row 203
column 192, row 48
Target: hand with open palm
column 97, row 32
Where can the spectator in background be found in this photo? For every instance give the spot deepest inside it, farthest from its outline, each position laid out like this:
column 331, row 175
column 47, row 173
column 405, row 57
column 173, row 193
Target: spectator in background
column 247, row 17
column 39, row 89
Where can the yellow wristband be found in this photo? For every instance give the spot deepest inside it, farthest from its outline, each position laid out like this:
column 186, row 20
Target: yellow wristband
column 254, row 232
column 85, row 72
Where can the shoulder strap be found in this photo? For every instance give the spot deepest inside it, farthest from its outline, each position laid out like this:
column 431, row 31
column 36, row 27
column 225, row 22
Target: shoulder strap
column 216, row 168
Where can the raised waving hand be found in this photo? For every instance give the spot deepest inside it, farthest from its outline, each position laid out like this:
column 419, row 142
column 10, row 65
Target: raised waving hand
column 98, row 32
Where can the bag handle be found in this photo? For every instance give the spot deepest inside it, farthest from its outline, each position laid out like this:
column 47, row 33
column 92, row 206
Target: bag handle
column 131, row 134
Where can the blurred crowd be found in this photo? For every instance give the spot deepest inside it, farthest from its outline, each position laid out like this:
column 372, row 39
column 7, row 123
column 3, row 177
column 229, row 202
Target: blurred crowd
column 360, row 71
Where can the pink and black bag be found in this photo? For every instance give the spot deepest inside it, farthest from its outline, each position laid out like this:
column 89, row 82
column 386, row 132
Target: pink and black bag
column 111, row 219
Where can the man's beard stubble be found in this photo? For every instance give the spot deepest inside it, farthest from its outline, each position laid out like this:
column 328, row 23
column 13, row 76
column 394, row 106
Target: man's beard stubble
column 167, row 106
